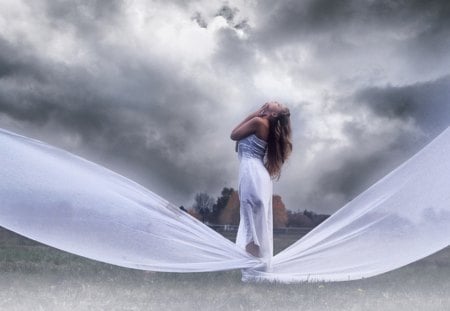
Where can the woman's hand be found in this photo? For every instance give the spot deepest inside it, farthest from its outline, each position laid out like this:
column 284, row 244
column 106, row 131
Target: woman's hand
column 255, row 125
column 237, row 132
column 261, row 111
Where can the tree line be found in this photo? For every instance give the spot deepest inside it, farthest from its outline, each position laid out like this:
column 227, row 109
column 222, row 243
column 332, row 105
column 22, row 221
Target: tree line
column 224, row 210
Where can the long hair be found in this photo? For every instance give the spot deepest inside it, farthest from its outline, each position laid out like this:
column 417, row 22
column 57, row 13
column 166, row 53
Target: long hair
column 279, row 144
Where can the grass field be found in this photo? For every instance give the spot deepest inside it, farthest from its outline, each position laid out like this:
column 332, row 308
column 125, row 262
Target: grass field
column 37, row 277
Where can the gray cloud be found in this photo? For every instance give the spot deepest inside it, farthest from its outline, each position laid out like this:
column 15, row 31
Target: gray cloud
column 228, row 13
column 351, row 170
column 197, row 16
column 288, row 20
column 137, row 111
column 426, row 103
column 233, row 53
column 88, row 18
column 421, row 110
column 373, row 38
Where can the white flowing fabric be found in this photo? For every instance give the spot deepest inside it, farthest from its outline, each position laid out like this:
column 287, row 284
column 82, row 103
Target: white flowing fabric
column 62, row 200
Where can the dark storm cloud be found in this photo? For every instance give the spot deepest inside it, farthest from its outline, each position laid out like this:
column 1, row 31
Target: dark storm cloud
column 350, row 170
column 417, row 30
column 18, row 63
column 87, row 18
column 295, row 19
column 228, row 13
column 114, row 128
column 128, row 110
column 197, row 16
column 234, row 53
column 372, row 154
column 31, row 90
column 426, row 103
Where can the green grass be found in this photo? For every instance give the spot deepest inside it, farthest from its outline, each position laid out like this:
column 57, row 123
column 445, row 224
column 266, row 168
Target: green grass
column 38, row 277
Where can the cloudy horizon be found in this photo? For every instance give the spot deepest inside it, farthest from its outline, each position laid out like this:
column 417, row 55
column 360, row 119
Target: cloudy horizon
column 153, row 89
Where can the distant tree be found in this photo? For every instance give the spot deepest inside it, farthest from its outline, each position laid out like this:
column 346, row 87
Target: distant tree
column 203, row 205
column 305, row 218
column 309, row 214
column 230, row 214
column 299, row 219
column 280, row 216
column 220, row 204
column 318, row 218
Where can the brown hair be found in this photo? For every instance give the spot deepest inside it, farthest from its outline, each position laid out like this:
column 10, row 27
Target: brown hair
column 279, row 144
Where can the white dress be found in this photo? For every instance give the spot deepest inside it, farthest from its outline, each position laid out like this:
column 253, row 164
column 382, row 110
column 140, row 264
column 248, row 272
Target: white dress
column 255, row 196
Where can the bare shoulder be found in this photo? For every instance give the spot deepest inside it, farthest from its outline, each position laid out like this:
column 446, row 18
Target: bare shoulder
column 256, row 125
column 262, row 128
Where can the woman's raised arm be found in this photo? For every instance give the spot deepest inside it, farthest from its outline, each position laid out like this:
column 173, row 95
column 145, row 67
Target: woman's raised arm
column 250, row 125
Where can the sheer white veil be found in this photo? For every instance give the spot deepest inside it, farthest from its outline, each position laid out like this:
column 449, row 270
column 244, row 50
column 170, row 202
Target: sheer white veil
column 65, row 201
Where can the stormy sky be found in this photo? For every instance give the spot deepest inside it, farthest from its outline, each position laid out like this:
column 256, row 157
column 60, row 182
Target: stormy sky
column 152, row 89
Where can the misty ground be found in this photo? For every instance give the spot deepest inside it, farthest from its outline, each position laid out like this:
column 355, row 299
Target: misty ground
column 37, row 277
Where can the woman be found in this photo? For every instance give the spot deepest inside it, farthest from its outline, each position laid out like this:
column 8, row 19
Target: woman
column 263, row 145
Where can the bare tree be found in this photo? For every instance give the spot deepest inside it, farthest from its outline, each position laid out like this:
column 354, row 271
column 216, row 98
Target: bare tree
column 203, row 205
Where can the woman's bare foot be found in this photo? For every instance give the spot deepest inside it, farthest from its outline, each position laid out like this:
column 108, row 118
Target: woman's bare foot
column 253, row 249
